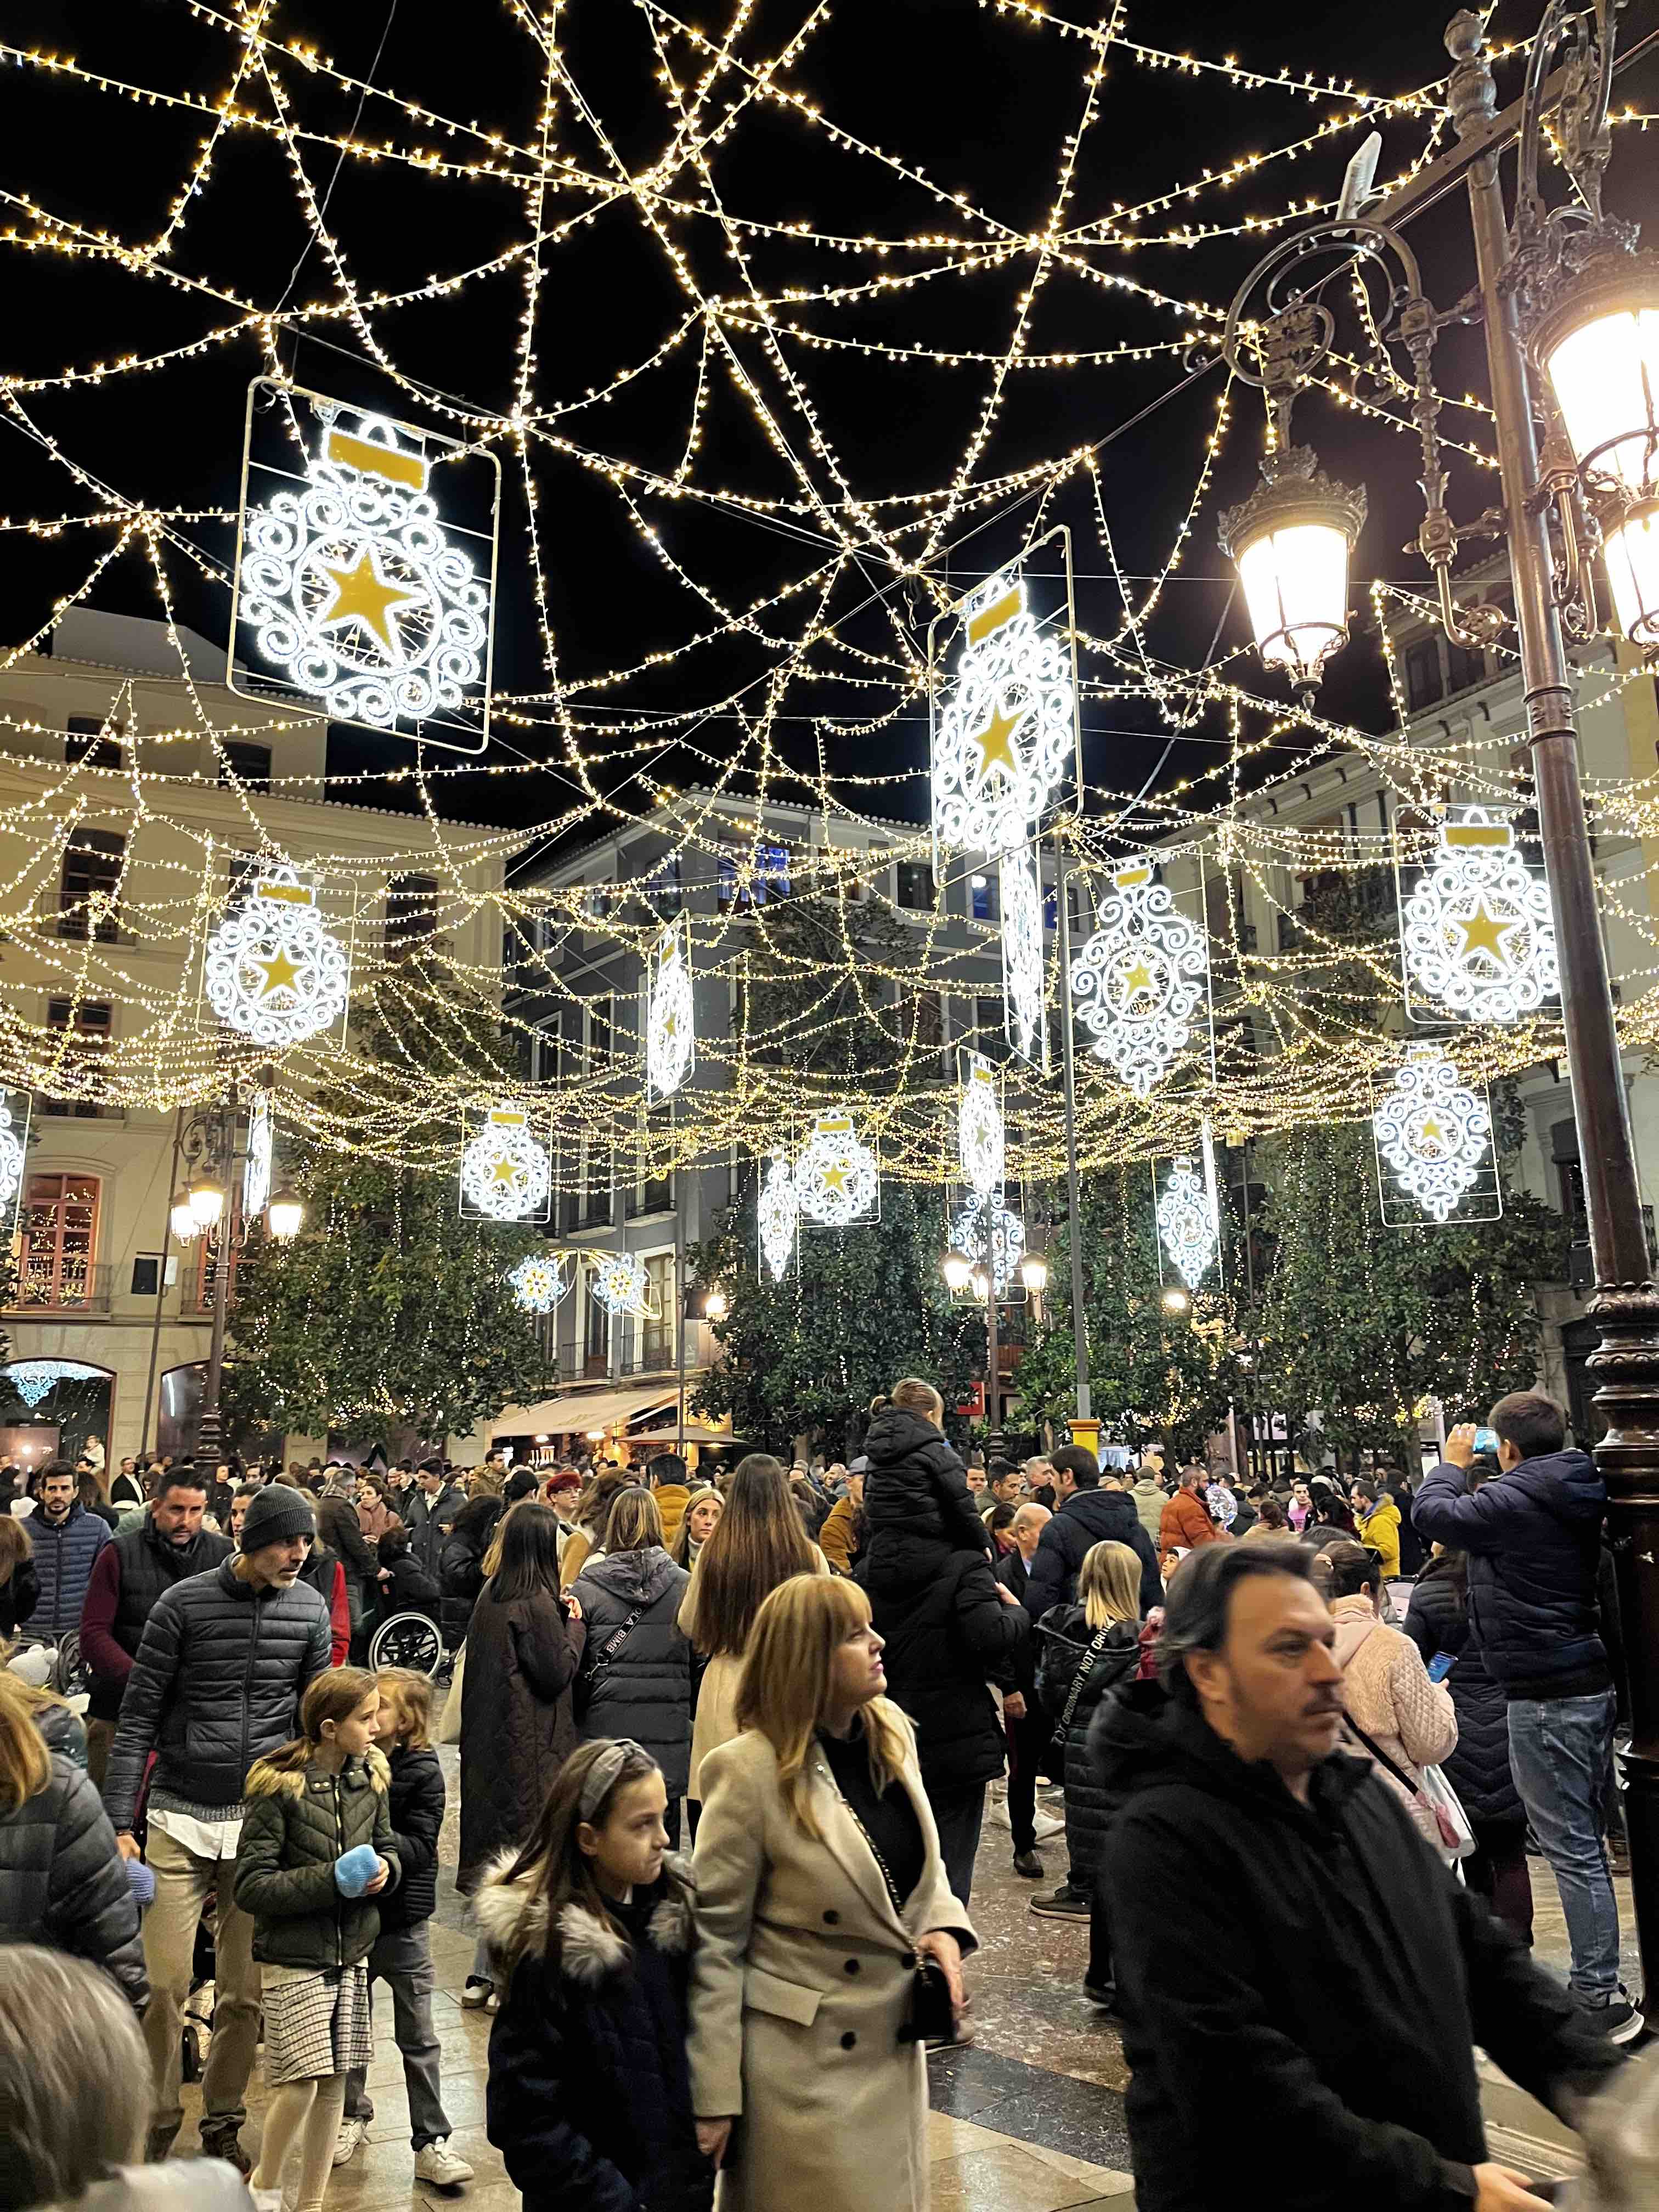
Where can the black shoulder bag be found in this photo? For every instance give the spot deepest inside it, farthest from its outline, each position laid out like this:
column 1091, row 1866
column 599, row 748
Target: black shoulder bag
column 595, row 1660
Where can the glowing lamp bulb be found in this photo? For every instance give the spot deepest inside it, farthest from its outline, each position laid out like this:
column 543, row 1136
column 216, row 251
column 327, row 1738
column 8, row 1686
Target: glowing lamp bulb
column 1034, row 1272
column 716, row 1306
column 285, row 1215
column 182, row 1222
column 958, row 1271
column 206, row 1201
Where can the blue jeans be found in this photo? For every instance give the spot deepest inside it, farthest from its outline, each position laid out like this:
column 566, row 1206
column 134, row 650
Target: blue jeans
column 1560, row 1751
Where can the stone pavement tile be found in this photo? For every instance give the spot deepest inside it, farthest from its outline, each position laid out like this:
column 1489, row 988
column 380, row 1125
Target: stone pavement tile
column 463, row 2102
column 1005, row 2178
column 953, row 2138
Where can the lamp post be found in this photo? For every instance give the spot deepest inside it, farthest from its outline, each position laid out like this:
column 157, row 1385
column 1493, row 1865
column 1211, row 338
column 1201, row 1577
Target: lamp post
column 974, row 1274
column 1571, row 313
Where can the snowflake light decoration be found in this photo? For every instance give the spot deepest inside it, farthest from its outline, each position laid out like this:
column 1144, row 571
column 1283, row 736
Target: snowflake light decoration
column 1433, row 1131
column 1187, row 1222
column 1139, row 979
column 505, row 1174
column 32, row 1379
column 1006, row 1236
column 256, row 1174
column 538, row 1281
column 621, row 1285
column 1007, row 727
column 352, row 588
column 1477, row 931
column 1022, row 958
column 273, row 970
column 669, row 1033
column 778, row 1210
column 837, row 1178
column 980, row 1138
column 11, row 1156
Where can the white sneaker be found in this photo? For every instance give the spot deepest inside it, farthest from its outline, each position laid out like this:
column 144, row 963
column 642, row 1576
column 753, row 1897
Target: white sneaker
column 478, row 1991
column 349, row 2141
column 436, row 2162
column 266, row 2200
column 1045, row 1825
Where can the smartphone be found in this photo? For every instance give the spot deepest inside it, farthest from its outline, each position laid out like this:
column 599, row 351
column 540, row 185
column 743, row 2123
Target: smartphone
column 1441, row 1665
column 1486, row 1440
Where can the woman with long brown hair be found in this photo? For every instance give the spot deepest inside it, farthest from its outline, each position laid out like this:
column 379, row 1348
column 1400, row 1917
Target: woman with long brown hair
column 820, row 1885
column 757, row 1543
column 20, row 1585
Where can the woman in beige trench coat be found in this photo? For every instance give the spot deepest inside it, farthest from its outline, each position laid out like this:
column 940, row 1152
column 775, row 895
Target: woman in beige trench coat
column 806, row 2085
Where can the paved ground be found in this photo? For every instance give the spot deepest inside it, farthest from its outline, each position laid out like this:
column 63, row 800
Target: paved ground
column 1029, row 2118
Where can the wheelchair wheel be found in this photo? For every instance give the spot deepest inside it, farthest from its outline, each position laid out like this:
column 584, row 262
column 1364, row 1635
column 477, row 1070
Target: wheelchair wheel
column 70, row 1674
column 407, row 1639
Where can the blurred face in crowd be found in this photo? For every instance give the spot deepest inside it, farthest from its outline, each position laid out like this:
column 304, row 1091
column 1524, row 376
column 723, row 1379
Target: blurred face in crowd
column 1273, row 1691
column 238, row 1514
column 1028, row 1530
column 57, row 1496
column 1037, row 1471
column 1300, row 1491
column 703, row 1518
column 627, row 1849
column 976, row 1481
column 431, row 1481
column 177, row 1515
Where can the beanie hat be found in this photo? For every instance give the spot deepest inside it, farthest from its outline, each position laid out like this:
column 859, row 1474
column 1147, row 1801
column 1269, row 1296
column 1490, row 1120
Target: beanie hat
column 274, row 1515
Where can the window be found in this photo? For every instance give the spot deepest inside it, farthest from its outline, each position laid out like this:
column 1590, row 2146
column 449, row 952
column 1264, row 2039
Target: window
column 60, row 1241
column 1423, row 684
column 86, row 898
column 915, row 886
column 661, row 888
column 979, row 898
column 987, row 1020
column 411, row 914
column 250, row 763
column 89, row 1024
column 657, row 1337
column 91, row 743
column 595, row 1342
column 1469, row 666
column 767, row 877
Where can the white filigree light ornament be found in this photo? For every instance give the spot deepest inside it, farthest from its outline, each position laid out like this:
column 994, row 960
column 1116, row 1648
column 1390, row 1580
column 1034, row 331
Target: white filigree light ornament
column 505, row 1174
column 1139, row 979
column 353, row 590
column 1007, row 1239
column 1021, row 956
column 1007, row 726
column 1433, row 1131
column 538, row 1281
column 274, row 970
column 670, row 1034
column 980, row 1138
column 11, row 1156
column 621, row 1285
column 1187, row 1222
column 779, row 1211
column 1477, row 931
column 256, row 1174
column 836, row 1179
column 32, row 1379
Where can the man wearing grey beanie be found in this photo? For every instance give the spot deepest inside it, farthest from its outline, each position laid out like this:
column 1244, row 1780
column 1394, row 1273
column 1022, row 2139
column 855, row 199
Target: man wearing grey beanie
column 225, row 1659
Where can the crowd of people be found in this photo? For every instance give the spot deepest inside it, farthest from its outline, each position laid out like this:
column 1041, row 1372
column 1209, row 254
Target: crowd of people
column 1326, row 1717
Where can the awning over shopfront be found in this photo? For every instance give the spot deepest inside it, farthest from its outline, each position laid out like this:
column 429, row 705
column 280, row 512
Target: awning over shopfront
column 582, row 1411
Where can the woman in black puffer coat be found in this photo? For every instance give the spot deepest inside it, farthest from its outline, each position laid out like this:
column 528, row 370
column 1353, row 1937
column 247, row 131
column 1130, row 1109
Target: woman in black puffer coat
column 1479, row 1770
column 460, row 1563
column 638, row 1687
column 952, row 1629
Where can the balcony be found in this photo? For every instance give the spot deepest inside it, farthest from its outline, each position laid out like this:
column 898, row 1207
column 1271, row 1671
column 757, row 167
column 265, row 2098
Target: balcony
column 70, row 1289
column 1581, row 1268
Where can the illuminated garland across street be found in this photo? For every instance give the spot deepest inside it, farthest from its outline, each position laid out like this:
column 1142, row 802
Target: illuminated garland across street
column 778, row 1215
column 621, row 1285
column 256, row 1172
column 1432, row 1131
column 670, row 1031
column 1008, row 726
column 1007, row 1238
column 1022, row 958
column 980, row 1143
column 1478, row 936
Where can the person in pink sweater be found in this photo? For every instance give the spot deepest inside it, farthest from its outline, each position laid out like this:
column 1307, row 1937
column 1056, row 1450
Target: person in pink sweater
column 1386, row 1690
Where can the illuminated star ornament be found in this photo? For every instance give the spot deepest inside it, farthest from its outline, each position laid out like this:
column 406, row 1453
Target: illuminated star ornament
column 669, row 1033
column 11, row 1156
column 1432, row 1131
column 352, row 589
column 779, row 1211
column 256, row 1175
column 980, row 1138
column 621, row 1284
column 538, row 1281
column 1476, row 931
column 1187, row 1224
column 1005, row 725
column 1021, row 900
column 505, row 1174
column 1140, row 979
column 836, row 1179
column 1007, row 1237
column 273, row 970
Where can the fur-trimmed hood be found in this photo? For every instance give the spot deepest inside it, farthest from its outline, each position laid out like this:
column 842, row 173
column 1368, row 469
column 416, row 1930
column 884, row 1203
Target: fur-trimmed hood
column 508, row 1910
column 266, row 1780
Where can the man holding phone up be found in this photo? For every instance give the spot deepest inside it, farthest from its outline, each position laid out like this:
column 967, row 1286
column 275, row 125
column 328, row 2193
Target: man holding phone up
column 1533, row 1541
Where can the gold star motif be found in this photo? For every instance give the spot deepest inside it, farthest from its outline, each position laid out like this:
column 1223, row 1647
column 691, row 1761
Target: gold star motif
column 995, row 743
column 503, row 1171
column 1483, row 933
column 835, row 1178
column 282, row 972
column 1139, row 977
column 361, row 594
column 670, row 1026
column 1431, row 1132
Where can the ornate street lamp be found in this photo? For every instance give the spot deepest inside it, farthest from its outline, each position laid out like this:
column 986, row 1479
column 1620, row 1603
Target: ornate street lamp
column 716, row 1306
column 285, row 1215
column 957, row 1270
column 1034, row 1274
column 206, row 1201
column 182, row 1222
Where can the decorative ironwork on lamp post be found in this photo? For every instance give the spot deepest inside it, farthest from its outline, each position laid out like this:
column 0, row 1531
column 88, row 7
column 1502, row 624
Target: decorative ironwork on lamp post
column 1570, row 311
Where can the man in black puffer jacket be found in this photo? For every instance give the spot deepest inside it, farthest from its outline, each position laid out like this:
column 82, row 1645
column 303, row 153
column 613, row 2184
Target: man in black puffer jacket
column 1084, row 1515
column 224, row 1660
column 952, row 1629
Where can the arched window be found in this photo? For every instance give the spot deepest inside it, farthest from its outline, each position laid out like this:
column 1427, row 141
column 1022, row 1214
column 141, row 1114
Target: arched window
column 60, row 1241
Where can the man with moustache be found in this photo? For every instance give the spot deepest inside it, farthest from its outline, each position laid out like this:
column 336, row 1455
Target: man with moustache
column 1338, row 1969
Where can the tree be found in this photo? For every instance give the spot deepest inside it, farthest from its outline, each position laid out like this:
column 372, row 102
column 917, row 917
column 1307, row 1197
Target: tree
column 387, row 1310
column 862, row 1308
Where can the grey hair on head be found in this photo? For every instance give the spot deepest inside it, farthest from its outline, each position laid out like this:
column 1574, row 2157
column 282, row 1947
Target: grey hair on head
column 75, row 2085
column 1200, row 1600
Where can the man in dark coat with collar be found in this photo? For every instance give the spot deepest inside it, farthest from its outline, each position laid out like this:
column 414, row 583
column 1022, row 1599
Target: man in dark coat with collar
column 1340, row 1971
column 1086, row 1514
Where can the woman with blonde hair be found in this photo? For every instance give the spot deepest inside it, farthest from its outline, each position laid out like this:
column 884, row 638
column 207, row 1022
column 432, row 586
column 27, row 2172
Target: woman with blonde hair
column 1088, row 1651
column 758, row 1542
column 820, row 1887
column 704, row 1509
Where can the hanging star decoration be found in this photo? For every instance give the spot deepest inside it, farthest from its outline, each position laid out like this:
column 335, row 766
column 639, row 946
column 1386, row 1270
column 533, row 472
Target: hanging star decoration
column 1140, row 978
column 621, row 1284
column 980, row 1138
column 11, row 1157
column 1006, row 727
column 272, row 969
column 1432, row 1131
column 256, row 1173
column 670, row 1034
column 352, row 589
column 1476, row 930
column 779, row 1211
column 1021, row 956
column 836, row 1179
column 505, row 1174
column 1186, row 1224
column 539, row 1281
column 983, row 1219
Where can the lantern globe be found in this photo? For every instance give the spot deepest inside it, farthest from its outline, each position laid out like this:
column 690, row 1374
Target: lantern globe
column 1290, row 541
column 1599, row 348
column 285, row 1215
column 182, row 1222
column 958, row 1271
column 1631, row 551
column 1034, row 1272
column 206, row 1201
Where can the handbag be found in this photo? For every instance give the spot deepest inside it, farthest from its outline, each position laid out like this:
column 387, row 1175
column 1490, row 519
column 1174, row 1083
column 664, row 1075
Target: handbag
column 1435, row 1804
column 932, row 2017
column 594, row 1663
column 449, row 1721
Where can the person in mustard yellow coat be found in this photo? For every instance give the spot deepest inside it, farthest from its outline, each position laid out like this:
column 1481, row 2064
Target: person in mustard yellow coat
column 819, row 1887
